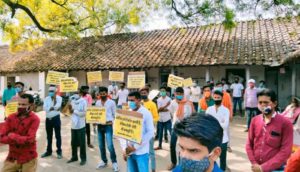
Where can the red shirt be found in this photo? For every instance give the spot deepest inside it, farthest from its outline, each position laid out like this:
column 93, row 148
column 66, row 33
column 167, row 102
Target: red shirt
column 269, row 145
column 22, row 139
column 293, row 164
column 89, row 99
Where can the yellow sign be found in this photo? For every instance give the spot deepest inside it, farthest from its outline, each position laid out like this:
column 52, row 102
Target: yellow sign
column 136, row 79
column 116, row 76
column 96, row 115
column 125, row 106
column 175, row 81
column 93, row 77
column 128, row 125
column 188, row 82
column 10, row 108
column 53, row 77
column 68, row 85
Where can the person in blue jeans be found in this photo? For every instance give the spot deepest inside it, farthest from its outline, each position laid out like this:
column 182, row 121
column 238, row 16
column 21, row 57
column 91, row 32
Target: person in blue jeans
column 199, row 138
column 137, row 154
column 105, row 131
column 237, row 94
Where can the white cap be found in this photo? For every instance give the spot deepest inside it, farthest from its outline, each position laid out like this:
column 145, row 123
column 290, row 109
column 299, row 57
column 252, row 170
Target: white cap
column 251, row 81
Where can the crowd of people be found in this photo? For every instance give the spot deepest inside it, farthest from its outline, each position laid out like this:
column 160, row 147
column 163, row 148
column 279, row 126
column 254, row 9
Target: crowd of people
column 196, row 119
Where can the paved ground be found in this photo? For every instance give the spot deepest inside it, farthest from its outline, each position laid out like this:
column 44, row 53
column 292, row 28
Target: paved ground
column 237, row 160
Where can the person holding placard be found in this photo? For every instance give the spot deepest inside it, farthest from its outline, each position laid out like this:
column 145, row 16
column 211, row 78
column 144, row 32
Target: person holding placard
column 137, row 155
column 113, row 90
column 105, row 131
column 122, row 95
column 151, row 106
column 78, row 109
column 19, row 132
column 52, row 106
column 180, row 109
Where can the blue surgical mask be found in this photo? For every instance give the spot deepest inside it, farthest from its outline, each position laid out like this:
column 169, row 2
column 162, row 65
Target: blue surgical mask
column 163, row 93
column 75, row 97
column 51, row 94
column 179, row 97
column 267, row 110
column 189, row 165
column 18, row 89
column 132, row 105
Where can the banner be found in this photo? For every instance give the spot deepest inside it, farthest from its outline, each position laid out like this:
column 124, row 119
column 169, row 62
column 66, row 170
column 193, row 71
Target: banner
column 188, row 82
column 68, row 85
column 11, row 107
column 136, row 79
column 93, row 77
column 175, row 81
column 128, row 125
column 53, row 77
column 96, row 115
column 116, row 76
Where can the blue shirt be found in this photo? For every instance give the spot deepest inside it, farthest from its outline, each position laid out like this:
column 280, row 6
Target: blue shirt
column 216, row 169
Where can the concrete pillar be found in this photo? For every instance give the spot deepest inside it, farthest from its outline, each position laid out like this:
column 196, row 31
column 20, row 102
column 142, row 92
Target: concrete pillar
column 293, row 80
column 17, row 79
column 207, row 74
column 248, row 75
column 42, row 84
column 3, row 84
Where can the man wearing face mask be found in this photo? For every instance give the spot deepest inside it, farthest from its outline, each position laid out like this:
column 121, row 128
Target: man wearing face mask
column 19, row 88
column 52, row 106
column 250, row 97
column 19, row 132
column 8, row 94
column 137, row 155
column 122, row 95
column 206, row 101
column 195, row 95
column 270, row 136
column 105, row 131
column 151, row 106
column 221, row 113
column 180, row 109
column 237, row 94
column 199, row 138
column 78, row 109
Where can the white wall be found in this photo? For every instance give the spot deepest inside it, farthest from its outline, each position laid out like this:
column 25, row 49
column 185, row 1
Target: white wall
column 30, row 79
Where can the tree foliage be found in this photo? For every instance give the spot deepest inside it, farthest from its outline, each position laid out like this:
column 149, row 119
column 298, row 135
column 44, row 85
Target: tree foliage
column 26, row 23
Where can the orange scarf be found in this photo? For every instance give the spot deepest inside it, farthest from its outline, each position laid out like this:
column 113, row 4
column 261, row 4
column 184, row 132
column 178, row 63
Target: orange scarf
column 203, row 104
column 180, row 110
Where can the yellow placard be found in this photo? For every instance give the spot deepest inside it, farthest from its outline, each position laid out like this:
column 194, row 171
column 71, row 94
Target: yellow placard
column 53, row 77
column 93, row 77
column 136, row 79
column 116, row 76
column 96, row 115
column 128, row 125
column 125, row 106
column 188, row 82
column 10, row 108
column 175, row 81
column 68, row 85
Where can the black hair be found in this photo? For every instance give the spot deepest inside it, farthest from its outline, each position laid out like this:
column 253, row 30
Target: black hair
column 179, row 90
column 219, row 83
column 218, row 93
column 163, row 87
column 20, row 83
column 103, row 89
column 123, row 83
column 135, row 94
column 268, row 93
column 28, row 96
column 85, row 87
column 296, row 101
column 146, row 88
column 206, row 86
column 203, row 128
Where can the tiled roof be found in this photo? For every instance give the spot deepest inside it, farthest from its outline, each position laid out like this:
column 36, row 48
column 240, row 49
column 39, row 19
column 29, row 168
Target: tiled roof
column 261, row 42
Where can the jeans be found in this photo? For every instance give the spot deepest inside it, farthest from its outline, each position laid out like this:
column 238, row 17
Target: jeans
column 138, row 163
column 55, row 124
column 237, row 100
column 196, row 104
column 78, row 139
column 152, row 154
column 106, row 132
column 88, row 133
column 251, row 112
column 223, row 156
column 163, row 126
column 173, row 148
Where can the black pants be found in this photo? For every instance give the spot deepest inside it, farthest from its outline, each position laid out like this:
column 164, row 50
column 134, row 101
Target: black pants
column 173, row 148
column 78, row 140
column 55, row 124
column 88, row 133
column 223, row 156
column 196, row 104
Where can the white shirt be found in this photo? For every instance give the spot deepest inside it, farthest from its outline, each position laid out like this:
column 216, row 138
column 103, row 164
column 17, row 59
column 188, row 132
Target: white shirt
column 162, row 102
column 237, row 89
column 78, row 117
column 148, row 133
column 222, row 115
column 225, row 87
column 187, row 93
column 122, row 96
column 110, row 109
column 196, row 93
column 173, row 109
column 112, row 91
column 48, row 103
